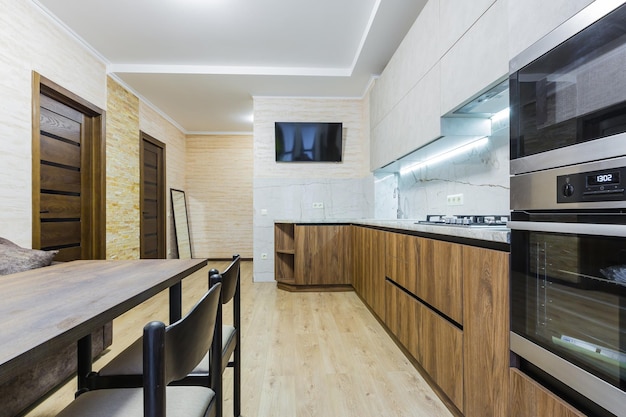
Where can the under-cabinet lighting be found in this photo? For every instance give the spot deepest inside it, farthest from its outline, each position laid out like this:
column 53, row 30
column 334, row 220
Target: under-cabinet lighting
column 451, row 153
column 501, row 115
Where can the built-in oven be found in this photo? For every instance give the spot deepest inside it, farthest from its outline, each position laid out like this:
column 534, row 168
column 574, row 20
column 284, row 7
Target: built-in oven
column 568, row 209
column 568, row 91
column 568, row 277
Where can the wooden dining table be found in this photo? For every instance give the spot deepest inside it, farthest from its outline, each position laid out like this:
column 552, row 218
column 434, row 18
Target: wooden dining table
column 46, row 309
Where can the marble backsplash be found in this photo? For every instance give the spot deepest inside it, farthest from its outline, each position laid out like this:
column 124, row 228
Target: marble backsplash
column 481, row 175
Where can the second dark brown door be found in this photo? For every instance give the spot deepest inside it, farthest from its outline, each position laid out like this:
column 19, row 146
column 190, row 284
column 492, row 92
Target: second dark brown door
column 152, row 198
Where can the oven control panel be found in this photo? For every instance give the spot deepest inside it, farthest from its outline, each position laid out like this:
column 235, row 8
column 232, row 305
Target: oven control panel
column 604, row 185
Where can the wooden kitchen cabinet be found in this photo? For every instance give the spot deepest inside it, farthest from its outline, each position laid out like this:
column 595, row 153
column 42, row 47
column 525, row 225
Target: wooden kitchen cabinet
column 486, row 332
column 530, row 399
column 446, row 303
column 312, row 256
column 368, row 267
column 430, row 269
column 435, row 343
column 458, row 297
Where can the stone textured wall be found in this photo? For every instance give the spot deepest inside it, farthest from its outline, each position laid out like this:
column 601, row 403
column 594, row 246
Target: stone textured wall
column 122, row 173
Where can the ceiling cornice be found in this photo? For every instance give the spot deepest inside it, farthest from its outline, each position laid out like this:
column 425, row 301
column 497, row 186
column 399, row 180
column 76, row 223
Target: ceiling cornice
column 227, row 70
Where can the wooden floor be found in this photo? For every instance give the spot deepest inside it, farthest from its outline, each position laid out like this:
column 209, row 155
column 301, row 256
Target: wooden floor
column 306, row 354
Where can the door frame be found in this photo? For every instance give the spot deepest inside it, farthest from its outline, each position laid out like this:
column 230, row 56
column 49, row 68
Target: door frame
column 93, row 181
column 162, row 196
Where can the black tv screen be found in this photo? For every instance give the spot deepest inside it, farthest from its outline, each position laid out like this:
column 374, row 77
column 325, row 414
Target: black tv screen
column 308, row 142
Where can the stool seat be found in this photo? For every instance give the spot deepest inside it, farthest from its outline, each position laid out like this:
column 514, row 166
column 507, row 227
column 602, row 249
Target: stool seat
column 128, row 402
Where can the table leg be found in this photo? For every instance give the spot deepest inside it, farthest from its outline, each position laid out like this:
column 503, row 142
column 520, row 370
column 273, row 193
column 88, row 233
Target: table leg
column 176, row 302
column 84, row 362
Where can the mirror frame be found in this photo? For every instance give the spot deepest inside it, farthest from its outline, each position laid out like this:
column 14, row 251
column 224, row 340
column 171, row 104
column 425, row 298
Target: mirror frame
column 181, row 224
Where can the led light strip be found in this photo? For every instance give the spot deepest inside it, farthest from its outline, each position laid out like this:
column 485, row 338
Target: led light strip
column 445, row 155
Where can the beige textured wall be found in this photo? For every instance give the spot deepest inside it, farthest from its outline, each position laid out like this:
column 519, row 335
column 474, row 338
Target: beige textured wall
column 30, row 41
column 122, row 178
column 219, row 195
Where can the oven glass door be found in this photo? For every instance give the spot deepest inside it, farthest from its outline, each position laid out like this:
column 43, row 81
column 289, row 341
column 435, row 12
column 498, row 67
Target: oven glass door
column 573, row 94
column 568, row 295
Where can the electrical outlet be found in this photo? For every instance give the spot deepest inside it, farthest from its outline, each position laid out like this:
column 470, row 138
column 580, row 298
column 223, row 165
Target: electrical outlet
column 264, row 256
column 318, row 205
column 455, row 199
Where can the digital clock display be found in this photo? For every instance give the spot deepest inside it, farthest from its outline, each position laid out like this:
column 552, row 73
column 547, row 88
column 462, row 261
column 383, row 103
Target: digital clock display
column 603, row 178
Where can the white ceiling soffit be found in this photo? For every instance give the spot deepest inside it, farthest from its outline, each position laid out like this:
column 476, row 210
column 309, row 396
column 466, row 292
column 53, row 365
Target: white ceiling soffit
column 199, row 62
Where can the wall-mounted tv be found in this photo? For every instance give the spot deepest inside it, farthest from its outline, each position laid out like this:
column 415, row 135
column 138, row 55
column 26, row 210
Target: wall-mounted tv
column 308, row 142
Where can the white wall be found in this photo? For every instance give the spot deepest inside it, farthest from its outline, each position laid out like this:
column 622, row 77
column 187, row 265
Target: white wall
column 32, row 42
column 286, row 191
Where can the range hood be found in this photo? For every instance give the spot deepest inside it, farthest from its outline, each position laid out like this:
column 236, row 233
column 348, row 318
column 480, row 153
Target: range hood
column 461, row 129
column 487, row 104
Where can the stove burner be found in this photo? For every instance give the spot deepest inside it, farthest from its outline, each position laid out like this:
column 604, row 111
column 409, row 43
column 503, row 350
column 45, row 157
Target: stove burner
column 466, row 220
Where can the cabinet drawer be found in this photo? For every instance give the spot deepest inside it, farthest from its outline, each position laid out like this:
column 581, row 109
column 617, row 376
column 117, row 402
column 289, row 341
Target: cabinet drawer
column 402, row 317
column 403, row 258
column 442, row 353
column 440, row 280
column 530, row 399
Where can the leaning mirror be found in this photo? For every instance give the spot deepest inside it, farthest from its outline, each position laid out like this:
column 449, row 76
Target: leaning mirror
column 181, row 223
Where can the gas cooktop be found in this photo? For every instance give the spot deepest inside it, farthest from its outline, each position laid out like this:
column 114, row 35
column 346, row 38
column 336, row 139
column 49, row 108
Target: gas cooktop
column 466, row 220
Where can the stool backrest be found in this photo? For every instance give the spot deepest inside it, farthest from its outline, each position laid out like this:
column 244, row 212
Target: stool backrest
column 230, row 279
column 188, row 340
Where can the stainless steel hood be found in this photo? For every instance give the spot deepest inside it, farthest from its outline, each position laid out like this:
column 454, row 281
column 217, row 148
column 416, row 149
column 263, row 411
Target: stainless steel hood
column 486, row 104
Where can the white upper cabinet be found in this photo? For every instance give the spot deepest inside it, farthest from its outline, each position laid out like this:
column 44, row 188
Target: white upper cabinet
column 530, row 20
column 478, row 60
column 456, row 18
column 416, row 55
column 413, row 123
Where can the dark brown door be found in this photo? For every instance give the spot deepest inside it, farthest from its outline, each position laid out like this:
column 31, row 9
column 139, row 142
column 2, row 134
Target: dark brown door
column 152, row 198
column 68, row 173
column 60, row 178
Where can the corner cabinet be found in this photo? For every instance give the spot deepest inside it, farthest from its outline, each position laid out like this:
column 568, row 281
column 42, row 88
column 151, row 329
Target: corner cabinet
column 312, row 256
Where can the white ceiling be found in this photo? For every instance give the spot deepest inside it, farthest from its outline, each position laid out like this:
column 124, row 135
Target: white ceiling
column 200, row 62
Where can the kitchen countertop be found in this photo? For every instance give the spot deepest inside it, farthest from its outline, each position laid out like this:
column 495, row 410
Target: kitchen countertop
column 492, row 233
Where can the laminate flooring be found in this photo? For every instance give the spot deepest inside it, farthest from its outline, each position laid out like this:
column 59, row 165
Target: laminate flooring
column 304, row 355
